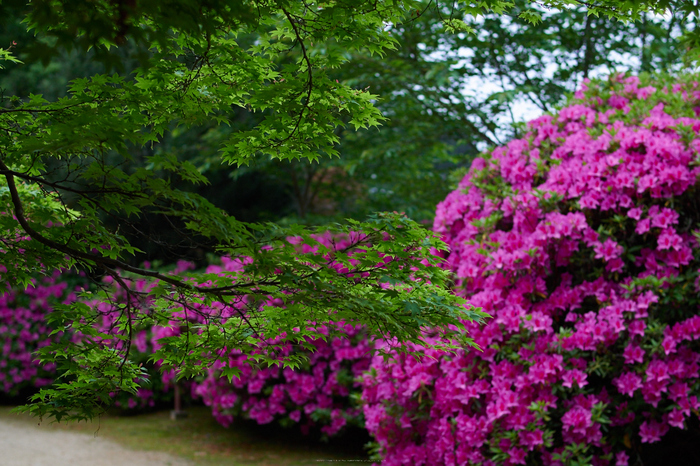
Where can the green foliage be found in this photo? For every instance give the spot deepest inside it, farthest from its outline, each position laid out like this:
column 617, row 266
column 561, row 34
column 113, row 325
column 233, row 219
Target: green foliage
column 6, row 55
column 449, row 95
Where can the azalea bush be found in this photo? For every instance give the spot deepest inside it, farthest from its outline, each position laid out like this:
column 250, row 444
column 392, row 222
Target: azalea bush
column 24, row 329
column 580, row 239
column 322, row 393
column 156, row 386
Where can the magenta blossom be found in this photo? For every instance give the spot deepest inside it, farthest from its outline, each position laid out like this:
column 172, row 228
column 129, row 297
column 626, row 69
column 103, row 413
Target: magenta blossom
column 578, row 240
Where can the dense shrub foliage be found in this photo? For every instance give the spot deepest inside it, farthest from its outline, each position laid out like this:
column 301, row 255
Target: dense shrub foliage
column 24, row 329
column 156, row 387
column 581, row 241
column 317, row 394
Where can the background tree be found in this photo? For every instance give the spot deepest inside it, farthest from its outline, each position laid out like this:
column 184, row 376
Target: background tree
column 446, row 96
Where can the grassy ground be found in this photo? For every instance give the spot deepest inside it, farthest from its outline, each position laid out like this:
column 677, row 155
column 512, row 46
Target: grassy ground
column 201, row 440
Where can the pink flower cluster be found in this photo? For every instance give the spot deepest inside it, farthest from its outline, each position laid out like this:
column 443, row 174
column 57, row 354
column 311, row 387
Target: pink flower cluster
column 578, row 240
column 315, row 395
column 23, row 330
column 318, row 394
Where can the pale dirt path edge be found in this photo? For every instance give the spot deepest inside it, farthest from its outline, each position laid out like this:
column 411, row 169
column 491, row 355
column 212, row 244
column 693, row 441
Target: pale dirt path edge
column 22, row 445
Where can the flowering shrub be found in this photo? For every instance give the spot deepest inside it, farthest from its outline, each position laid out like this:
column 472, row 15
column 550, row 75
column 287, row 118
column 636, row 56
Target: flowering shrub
column 23, row 329
column 319, row 393
column 156, row 387
column 579, row 240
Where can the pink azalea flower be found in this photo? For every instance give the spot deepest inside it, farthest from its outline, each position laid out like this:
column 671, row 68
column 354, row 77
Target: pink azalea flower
column 574, row 376
column 608, row 250
column 622, row 459
column 645, row 92
column 577, row 419
column 590, row 237
column 643, row 226
column 678, row 391
column 669, row 239
column 665, row 218
column 652, row 431
column 669, row 344
column 627, row 383
column 635, row 213
column 531, row 439
column 618, row 102
column 676, row 419
column 657, row 371
column 633, row 353
column 516, row 456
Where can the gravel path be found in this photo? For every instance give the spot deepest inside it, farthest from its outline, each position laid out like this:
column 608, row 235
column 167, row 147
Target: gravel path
column 23, row 445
